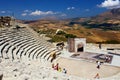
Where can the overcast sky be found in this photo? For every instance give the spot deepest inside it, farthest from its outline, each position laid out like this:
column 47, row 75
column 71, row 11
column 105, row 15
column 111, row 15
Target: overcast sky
column 35, row 9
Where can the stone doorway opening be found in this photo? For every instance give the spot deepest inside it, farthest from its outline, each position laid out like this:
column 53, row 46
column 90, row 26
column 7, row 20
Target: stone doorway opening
column 80, row 47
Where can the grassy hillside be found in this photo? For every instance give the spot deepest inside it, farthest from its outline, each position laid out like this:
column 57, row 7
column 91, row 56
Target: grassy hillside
column 92, row 35
column 104, row 27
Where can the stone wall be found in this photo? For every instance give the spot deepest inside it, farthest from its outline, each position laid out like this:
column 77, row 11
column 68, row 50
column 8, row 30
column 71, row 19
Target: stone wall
column 5, row 21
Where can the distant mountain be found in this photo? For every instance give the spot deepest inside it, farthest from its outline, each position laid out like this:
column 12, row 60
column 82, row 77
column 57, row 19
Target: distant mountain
column 100, row 28
column 116, row 12
column 109, row 20
column 109, row 15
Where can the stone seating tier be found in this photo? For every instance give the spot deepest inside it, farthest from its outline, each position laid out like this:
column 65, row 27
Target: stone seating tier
column 17, row 43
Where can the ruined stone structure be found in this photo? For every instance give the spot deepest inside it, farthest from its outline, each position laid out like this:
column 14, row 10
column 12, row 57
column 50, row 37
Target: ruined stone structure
column 76, row 44
column 5, row 21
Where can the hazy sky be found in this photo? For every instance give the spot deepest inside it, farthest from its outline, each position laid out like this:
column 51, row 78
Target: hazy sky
column 35, row 9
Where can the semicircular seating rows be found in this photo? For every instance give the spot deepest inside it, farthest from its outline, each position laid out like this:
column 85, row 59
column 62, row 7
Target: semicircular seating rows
column 19, row 43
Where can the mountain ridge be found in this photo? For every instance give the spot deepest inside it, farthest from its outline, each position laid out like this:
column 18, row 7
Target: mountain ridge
column 101, row 28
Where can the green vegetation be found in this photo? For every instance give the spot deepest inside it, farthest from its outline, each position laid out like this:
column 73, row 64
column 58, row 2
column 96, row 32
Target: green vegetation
column 60, row 36
column 61, row 33
column 56, row 38
column 70, row 36
column 46, row 31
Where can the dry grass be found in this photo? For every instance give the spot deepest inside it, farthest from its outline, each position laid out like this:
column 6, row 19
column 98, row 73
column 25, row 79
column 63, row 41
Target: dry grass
column 92, row 35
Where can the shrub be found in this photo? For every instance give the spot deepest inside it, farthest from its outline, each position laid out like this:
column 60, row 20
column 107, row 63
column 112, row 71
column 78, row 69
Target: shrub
column 56, row 38
column 70, row 36
column 61, row 33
